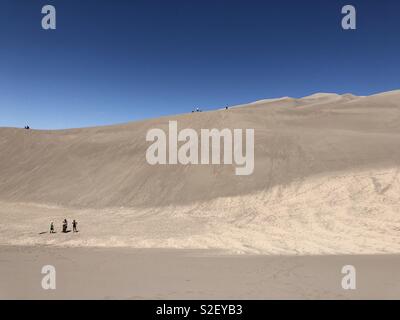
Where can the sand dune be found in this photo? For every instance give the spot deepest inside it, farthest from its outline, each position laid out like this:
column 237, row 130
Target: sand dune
column 326, row 180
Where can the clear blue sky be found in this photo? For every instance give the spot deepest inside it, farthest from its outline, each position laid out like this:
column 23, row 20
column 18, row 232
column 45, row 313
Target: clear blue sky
column 112, row 61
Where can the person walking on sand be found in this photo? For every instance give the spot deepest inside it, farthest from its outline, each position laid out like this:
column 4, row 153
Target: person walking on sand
column 52, row 227
column 74, row 225
column 65, row 225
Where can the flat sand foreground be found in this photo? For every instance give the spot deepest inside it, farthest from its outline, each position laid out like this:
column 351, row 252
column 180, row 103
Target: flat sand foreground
column 123, row 273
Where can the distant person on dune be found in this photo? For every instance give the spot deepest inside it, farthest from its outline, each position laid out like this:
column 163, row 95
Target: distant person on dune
column 74, row 225
column 65, row 225
column 52, row 227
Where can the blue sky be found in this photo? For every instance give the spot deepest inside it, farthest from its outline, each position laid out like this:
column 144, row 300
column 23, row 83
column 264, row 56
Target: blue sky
column 118, row 61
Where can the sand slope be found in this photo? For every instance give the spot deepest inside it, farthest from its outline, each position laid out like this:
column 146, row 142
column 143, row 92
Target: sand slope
column 326, row 180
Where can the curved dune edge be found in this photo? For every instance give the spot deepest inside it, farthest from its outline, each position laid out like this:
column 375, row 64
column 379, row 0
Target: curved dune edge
column 340, row 213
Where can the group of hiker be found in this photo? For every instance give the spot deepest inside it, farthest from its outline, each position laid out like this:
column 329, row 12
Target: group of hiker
column 65, row 226
column 196, row 110
column 199, row 110
column 26, row 128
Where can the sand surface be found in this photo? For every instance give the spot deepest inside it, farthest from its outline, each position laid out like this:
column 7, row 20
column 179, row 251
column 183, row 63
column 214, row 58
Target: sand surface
column 295, row 140
column 326, row 181
column 93, row 273
column 325, row 193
